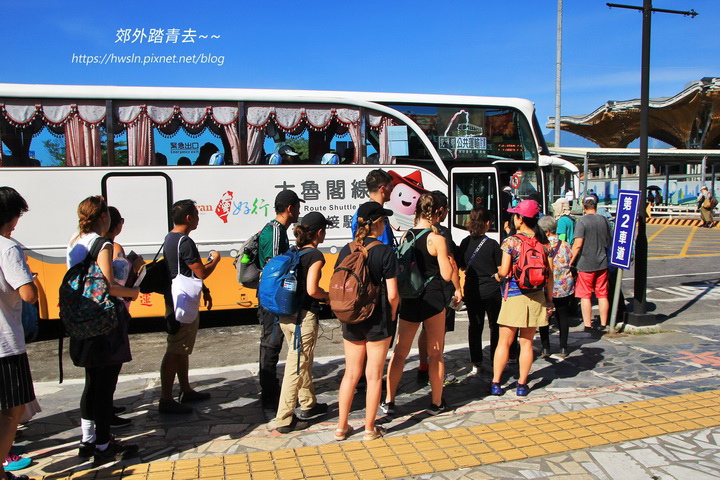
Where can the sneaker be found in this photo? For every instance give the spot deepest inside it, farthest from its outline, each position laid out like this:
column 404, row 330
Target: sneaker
column 388, row 408
column 116, row 449
column 475, row 371
column 171, row 406
column 193, row 396
column 119, row 422
column 11, row 476
column 295, row 425
column 86, row 449
column 437, row 409
column 522, row 390
column 118, row 410
column 589, row 330
column 423, row 377
column 496, row 389
column 563, row 352
column 16, row 462
column 545, row 353
column 450, row 379
column 600, row 328
column 318, row 409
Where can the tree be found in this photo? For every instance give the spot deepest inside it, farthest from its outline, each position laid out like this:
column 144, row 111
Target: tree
column 56, row 150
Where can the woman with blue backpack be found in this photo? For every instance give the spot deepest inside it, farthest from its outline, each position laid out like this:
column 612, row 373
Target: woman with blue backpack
column 301, row 329
column 428, row 308
column 527, row 299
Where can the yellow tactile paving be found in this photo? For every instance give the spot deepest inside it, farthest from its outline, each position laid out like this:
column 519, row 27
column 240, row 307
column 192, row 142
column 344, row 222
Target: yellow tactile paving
column 444, row 450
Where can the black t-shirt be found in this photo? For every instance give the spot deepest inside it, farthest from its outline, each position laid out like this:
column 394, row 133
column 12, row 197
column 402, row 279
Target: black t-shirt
column 382, row 263
column 308, row 258
column 479, row 275
column 188, row 253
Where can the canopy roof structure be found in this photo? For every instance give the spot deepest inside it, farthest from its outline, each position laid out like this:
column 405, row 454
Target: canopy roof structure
column 688, row 120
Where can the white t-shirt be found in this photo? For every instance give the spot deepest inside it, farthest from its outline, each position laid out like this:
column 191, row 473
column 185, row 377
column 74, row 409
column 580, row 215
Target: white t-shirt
column 14, row 273
column 79, row 247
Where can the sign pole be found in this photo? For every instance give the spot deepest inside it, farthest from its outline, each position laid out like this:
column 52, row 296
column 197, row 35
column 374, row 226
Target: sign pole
column 616, row 298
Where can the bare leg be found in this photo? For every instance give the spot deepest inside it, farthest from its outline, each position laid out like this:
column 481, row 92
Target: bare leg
column 376, row 355
column 406, row 334
column 604, row 307
column 435, row 328
column 502, row 352
column 422, row 347
column 586, row 307
column 354, row 362
column 8, row 426
column 526, row 353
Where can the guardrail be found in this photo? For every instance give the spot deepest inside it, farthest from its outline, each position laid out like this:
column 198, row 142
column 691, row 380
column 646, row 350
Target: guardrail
column 660, row 211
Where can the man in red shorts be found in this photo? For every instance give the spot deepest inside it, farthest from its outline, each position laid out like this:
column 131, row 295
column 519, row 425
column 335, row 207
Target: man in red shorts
column 589, row 254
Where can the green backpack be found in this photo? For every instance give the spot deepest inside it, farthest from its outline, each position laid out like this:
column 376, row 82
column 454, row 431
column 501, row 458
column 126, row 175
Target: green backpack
column 411, row 280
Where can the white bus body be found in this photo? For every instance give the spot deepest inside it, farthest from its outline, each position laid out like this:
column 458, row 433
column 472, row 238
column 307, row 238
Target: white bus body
column 467, row 147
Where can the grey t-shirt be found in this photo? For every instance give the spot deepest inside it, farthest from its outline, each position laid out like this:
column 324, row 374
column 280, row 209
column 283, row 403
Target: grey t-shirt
column 595, row 232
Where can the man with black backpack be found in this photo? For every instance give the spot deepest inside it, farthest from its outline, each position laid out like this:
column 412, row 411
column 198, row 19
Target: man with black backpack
column 273, row 241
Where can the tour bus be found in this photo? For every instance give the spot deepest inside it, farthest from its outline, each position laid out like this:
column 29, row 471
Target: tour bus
column 144, row 148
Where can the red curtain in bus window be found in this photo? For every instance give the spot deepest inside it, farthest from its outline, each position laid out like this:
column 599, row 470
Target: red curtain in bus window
column 82, row 144
column 141, row 145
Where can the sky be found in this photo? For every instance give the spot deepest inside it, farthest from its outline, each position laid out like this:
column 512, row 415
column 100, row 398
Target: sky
column 485, row 47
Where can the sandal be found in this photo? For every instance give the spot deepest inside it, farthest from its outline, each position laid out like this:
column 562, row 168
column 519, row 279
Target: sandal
column 373, row 434
column 342, row 433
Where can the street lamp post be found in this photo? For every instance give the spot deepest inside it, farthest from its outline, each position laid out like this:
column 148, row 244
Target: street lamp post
column 639, row 315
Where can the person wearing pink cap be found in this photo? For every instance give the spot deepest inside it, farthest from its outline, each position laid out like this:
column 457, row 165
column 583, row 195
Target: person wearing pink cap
column 522, row 309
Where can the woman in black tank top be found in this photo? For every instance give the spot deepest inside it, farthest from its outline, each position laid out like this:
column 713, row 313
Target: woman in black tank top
column 432, row 255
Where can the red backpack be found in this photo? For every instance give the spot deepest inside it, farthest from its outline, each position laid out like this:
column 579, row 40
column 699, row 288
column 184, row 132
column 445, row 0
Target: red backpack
column 530, row 270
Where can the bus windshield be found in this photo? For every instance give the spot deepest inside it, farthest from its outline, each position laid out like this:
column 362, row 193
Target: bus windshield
column 463, row 134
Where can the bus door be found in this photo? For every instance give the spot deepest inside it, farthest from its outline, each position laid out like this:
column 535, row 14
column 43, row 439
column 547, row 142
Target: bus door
column 144, row 200
column 472, row 187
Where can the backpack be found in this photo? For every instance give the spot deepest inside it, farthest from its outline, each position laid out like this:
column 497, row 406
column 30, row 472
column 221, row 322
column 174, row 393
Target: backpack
column 530, row 270
column 352, row 295
column 86, row 307
column 246, row 263
column 277, row 291
column 411, row 280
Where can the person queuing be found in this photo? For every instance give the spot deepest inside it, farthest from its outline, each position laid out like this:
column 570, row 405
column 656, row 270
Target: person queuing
column 452, row 290
column 432, row 254
column 522, row 310
column 565, row 222
column 563, row 288
column 480, row 257
column 273, row 241
column 16, row 286
column 101, row 356
column 301, row 330
column 366, row 343
column 184, row 259
column 593, row 236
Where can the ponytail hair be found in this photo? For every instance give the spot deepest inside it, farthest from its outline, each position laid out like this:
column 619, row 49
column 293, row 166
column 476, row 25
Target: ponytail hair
column 427, row 208
column 89, row 212
column 304, row 235
column 532, row 223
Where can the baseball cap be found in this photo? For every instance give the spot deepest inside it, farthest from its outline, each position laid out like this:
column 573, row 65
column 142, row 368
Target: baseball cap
column 372, row 211
column 288, row 150
column 285, row 199
column 315, row 221
column 590, row 200
column 526, row 208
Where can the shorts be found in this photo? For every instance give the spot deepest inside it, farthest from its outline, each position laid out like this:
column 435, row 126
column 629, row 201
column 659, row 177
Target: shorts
column 587, row 282
column 16, row 386
column 183, row 341
column 370, row 330
column 523, row 311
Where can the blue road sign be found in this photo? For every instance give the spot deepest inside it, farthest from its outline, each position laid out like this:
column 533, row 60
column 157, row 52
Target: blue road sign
column 623, row 243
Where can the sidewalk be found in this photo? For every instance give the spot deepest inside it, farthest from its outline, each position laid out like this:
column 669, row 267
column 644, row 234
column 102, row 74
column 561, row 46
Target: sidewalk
column 634, row 406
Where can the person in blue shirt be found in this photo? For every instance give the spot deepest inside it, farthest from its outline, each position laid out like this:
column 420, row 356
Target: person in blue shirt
column 379, row 184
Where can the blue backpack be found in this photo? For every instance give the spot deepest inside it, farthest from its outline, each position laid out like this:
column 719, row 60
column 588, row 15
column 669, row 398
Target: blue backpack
column 277, row 291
